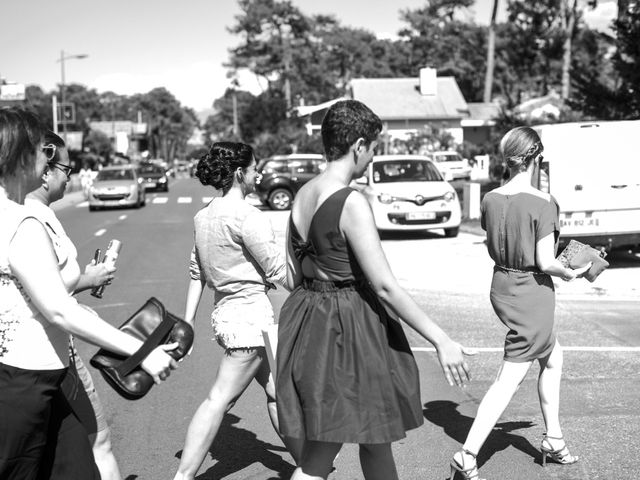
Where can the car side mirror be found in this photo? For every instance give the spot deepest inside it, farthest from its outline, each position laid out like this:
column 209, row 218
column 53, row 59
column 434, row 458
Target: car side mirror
column 362, row 180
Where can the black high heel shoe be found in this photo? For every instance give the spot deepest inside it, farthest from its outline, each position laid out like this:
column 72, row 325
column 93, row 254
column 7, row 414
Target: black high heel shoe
column 470, row 473
column 560, row 455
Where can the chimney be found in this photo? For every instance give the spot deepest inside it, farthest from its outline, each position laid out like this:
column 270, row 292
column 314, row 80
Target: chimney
column 428, row 81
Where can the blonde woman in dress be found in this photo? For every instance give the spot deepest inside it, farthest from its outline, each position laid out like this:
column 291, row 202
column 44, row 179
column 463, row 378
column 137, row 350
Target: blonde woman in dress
column 522, row 237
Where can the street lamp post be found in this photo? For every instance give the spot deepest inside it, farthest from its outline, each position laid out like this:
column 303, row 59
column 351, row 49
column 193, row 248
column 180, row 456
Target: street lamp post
column 64, row 57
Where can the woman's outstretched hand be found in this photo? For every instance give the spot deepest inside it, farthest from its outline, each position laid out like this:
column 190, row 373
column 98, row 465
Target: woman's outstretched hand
column 159, row 364
column 451, row 355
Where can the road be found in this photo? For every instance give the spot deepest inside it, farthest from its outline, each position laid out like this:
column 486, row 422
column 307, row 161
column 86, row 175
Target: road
column 449, row 278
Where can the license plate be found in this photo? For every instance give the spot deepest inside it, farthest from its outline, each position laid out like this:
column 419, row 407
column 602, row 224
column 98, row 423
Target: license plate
column 580, row 222
column 151, row 184
column 420, row 215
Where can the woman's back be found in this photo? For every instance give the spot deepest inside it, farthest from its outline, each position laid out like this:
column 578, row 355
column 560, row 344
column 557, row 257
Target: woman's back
column 316, row 235
column 514, row 222
column 236, row 250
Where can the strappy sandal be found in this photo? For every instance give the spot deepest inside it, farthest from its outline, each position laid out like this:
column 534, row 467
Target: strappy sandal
column 470, row 473
column 560, row 455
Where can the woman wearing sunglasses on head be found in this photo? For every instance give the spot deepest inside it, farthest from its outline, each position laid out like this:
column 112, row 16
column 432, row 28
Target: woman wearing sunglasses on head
column 40, row 437
column 522, row 233
column 78, row 385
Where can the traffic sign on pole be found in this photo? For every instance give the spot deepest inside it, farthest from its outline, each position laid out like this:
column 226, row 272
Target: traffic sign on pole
column 66, row 113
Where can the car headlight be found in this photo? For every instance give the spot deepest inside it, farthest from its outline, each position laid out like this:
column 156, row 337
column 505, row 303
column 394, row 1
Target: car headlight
column 162, row 180
column 385, row 198
column 449, row 196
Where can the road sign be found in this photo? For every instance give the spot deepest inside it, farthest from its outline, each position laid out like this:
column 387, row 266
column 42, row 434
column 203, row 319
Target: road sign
column 66, row 113
column 12, row 92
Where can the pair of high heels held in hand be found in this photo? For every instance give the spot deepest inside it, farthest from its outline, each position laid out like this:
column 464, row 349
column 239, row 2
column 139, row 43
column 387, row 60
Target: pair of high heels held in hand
column 469, row 470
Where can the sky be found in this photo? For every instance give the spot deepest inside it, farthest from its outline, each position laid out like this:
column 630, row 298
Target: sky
column 134, row 46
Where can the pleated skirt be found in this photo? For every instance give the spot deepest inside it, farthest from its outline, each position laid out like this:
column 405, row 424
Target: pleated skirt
column 345, row 372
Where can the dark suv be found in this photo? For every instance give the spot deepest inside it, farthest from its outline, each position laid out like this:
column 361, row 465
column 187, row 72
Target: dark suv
column 281, row 176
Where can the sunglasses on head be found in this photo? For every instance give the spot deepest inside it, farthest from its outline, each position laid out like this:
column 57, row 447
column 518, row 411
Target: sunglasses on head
column 66, row 169
column 49, row 151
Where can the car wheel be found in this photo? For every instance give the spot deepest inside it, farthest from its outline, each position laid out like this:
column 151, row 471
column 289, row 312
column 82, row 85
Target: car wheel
column 280, row 199
column 451, row 232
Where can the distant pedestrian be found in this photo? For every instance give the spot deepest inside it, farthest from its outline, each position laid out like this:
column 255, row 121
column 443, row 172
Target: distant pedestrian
column 78, row 385
column 346, row 373
column 40, row 437
column 236, row 255
column 522, row 233
column 85, row 174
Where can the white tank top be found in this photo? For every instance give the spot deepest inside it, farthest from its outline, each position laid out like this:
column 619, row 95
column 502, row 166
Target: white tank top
column 27, row 339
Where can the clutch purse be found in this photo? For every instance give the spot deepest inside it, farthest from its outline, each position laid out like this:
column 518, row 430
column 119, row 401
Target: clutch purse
column 576, row 255
column 154, row 326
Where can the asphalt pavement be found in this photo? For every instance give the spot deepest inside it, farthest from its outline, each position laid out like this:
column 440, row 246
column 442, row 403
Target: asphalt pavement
column 449, row 279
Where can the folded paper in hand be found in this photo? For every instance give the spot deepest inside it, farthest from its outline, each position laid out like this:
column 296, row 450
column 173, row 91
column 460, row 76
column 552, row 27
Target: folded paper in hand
column 576, row 255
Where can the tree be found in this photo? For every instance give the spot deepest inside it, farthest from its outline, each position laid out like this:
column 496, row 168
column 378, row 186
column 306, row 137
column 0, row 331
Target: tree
column 434, row 37
column 41, row 103
column 169, row 124
column 612, row 93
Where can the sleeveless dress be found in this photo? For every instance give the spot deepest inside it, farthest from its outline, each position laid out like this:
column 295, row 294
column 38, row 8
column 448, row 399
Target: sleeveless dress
column 521, row 295
column 345, row 372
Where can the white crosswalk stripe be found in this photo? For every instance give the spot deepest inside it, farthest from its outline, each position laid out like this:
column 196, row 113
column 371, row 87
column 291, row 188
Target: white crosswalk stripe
column 206, row 199
column 84, row 204
column 184, row 199
column 160, row 200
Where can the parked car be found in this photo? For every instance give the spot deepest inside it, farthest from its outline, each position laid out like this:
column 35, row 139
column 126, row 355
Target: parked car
column 407, row 192
column 117, row 186
column 154, row 177
column 451, row 165
column 281, row 176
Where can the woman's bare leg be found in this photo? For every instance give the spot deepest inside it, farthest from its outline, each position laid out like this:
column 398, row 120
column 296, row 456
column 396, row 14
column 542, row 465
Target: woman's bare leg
column 377, row 462
column 317, row 460
column 492, row 406
column 265, row 379
column 549, row 390
column 103, row 454
column 236, row 370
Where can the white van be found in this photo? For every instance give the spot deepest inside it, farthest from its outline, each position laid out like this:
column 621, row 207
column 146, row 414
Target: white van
column 593, row 171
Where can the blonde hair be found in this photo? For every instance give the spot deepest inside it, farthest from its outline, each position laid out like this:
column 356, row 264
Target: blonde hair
column 519, row 147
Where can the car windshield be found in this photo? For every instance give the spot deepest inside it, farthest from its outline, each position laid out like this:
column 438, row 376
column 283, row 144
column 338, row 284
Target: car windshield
column 116, row 174
column 447, row 157
column 405, row 171
column 151, row 169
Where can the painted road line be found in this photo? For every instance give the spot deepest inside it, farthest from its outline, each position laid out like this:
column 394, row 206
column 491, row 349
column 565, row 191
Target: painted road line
column 122, row 217
column 184, row 199
column 206, row 199
column 100, row 232
column 566, row 349
column 160, row 200
column 82, row 204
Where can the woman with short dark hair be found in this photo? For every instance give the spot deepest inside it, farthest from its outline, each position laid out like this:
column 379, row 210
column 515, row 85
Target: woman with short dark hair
column 346, row 373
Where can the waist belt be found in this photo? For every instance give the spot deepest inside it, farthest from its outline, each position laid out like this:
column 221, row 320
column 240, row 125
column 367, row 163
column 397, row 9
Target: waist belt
column 532, row 270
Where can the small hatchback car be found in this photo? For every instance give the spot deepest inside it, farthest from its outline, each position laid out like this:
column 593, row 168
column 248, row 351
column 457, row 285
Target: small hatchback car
column 281, row 176
column 117, row 186
column 154, row 177
column 451, row 165
column 407, row 192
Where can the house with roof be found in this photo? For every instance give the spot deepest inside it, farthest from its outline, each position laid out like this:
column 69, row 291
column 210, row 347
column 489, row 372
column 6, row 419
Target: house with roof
column 408, row 105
